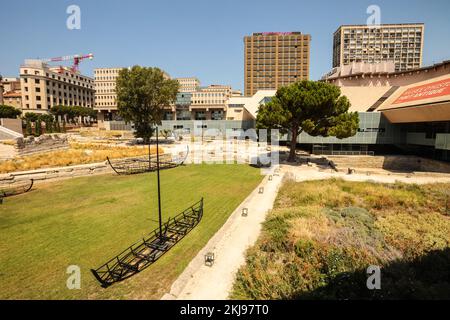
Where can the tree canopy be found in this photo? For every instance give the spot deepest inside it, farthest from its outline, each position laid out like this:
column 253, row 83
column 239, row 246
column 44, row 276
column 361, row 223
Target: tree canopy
column 9, row 112
column 142, row 93
column 73, row 111
column 316, row 108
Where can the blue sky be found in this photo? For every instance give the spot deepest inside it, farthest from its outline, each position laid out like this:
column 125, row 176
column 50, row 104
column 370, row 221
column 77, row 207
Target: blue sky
column 202, row 38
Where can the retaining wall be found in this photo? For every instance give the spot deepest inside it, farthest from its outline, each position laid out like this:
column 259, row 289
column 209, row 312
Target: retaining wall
column 395, row 163
column 56, row 173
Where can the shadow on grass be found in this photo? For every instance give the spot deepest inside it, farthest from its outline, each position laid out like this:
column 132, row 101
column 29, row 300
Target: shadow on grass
column 426, row 277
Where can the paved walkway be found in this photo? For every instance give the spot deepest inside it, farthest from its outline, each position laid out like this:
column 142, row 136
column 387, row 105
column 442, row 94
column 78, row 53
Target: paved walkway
column 7, row 152
column 229, row 244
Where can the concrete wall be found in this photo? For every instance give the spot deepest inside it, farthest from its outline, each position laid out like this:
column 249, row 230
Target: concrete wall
column 395, row 163
column 12, row 124
column 188, row 125
column 41, row 175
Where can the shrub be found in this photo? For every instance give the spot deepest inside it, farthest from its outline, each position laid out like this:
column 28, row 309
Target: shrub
column 304, row 248
column 320, row 238
column 9, row 112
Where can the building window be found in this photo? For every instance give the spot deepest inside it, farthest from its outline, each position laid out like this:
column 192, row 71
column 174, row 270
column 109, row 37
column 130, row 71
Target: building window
column 200, row 115
column 217, row 115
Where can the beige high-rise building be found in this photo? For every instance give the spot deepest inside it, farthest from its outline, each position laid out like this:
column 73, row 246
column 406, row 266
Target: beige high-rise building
column 275, row 59
column 105, row 92
column 189, row 84
column 43, row 86
column 400, row 43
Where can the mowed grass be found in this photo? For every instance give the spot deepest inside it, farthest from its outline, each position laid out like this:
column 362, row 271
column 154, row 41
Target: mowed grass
column 86, row 221
column 321, row 237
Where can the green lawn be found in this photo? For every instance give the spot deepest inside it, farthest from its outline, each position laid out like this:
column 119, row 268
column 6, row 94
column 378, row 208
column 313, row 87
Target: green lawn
column 86, row 221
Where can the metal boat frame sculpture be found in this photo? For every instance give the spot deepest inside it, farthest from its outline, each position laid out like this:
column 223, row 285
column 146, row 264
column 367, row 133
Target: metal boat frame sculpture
column 141, row 254
column 16, row 188
column 145, row 252
column 143, row 164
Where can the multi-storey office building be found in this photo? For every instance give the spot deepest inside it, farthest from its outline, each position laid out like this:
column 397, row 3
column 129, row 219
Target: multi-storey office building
column 105, row 92
column 210, row 103
column 401, row 43
column 43, row 86
column 1, row 90
column 275, row 59
column 11, row 84
column 189, row 84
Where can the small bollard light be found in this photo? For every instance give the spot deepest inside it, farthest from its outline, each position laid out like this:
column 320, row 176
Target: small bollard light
column 244, row 212
column 261, row 190
column 209, row 259
column 270, row 178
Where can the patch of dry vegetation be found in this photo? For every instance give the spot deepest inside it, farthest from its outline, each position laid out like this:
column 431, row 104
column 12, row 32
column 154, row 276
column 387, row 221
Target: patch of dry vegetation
column 77, row 154
column 105, row 134
column 322, row 235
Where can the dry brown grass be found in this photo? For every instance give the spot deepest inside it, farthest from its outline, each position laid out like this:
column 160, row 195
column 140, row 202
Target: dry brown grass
column 8, row 142
column 76, row 154
column 108, row 134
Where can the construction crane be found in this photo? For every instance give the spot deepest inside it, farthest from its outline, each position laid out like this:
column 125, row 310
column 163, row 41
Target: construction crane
column 77, row 58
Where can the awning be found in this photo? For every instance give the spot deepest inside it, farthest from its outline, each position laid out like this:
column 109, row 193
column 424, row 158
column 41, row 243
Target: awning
column 426, row 101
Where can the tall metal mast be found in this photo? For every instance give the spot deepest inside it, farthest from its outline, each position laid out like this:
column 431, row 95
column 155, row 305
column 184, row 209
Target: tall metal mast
column 159, row 185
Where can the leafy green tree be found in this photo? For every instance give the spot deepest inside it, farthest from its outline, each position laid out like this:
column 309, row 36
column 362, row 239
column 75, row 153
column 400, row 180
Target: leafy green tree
column 28, row 128
column 9, row 112
column 166, row 133
column 38, row 127
column 30, row 118
column 316, row 108
column 142, row 93
column 56, row 126
column 48, row 120
column 70, row 113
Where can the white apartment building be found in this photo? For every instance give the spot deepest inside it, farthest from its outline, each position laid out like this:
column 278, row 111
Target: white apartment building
column 400, row 43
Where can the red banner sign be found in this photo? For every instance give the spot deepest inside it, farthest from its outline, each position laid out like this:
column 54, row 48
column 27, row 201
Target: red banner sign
column 276, row 33
column 426, row 91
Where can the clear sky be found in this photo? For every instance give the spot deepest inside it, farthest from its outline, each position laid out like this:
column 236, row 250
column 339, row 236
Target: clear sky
column 202, row 38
